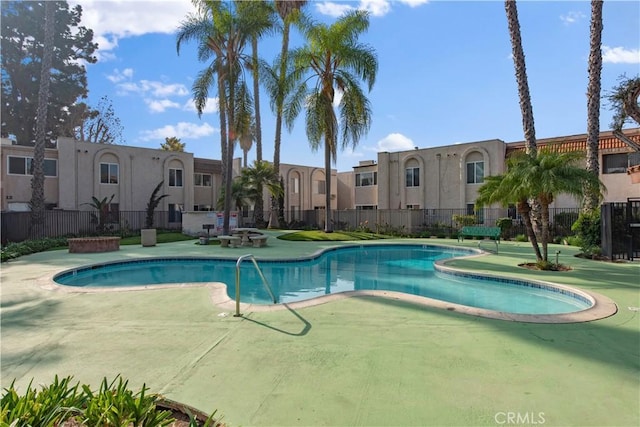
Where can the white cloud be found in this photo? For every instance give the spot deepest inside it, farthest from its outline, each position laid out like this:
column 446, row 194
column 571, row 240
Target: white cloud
column 182, row 130
column 152, row 88
column 620, row 55
column 333, row 9
column 211, row 106
column 118, row 76
column 337, row 98
column 160, row 105
column 375, row 7
column 572, row 17
column 395, row 142
column 115, row 19
column 414, row 3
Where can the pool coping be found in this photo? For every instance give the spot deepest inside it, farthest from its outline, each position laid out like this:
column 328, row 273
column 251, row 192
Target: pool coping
column 602, row 306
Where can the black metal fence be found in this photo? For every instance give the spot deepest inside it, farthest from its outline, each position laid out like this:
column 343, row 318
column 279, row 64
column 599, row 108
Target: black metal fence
column 426, row 222
column 418, row 222
column 60, row 223
column 621, row 229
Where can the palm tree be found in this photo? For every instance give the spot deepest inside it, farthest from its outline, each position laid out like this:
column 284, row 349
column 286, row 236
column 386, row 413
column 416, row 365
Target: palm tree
column 593, row 98
column 260, row 175
column 526, row 108
column 225, row 37
column 541, row 177
column 289, row 11
column 200, row 27
column 37, row 181
column 333, row 58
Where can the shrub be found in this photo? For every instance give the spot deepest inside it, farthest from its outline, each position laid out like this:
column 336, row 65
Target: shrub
column 505, row 224
column 15, row 250
column 521, row 238
column 463, row 220
column 60, row 403
column 587, row 229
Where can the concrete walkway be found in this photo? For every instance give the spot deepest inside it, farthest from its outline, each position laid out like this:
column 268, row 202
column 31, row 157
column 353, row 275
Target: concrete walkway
column 353, row 362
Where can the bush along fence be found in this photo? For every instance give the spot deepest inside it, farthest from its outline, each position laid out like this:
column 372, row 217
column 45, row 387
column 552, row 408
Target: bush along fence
column 397, row 222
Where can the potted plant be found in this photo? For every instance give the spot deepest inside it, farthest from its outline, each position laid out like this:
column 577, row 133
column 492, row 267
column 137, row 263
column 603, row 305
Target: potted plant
column 148, row 233
column 204, row 238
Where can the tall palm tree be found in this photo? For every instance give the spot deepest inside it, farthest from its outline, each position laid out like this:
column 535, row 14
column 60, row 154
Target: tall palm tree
column 225, row 37
column 526, row 108
column 541, row 177
column 37, row 181
column 200, row 27
column 333, row 58
column 593, row 98
column 288, row 10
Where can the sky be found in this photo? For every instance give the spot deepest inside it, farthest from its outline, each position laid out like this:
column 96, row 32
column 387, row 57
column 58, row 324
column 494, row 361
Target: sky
column 445, row 73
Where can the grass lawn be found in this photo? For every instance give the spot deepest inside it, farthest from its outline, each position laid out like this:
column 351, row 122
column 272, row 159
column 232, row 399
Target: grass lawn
column 319, row 235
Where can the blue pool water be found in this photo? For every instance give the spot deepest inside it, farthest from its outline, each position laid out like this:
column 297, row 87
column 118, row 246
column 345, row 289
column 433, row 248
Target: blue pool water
column 401, row 268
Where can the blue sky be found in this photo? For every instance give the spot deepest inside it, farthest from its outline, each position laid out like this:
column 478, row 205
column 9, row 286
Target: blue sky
column 445, row 73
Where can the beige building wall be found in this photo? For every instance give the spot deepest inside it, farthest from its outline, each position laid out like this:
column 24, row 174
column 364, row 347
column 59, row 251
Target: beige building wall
column 304, row 187
column 346, row 190
column 15, row 189
column 441, row 178
column 139, row 171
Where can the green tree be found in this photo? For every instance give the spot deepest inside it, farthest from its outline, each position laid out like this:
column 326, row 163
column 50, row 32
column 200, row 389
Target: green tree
column 624, row 102
column 257, row 177
column 289, row 12
column 37, row 181
column 333, row 58
column 173, row 144
column 539, row 177
column 593, row 98
column 223, row 31
column 22, row 48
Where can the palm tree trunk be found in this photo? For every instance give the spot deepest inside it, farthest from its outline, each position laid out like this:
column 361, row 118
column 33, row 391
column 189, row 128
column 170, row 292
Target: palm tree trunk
column 526, row 108
column 524, row 209
column 328, row 227
column 258, row 212
column 222, row 107
column 273, row 220
column 593, row 101
column 37, row 181
column 544, row 215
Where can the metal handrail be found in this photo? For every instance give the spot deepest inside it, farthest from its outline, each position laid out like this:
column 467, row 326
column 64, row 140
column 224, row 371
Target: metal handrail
column 264, row 281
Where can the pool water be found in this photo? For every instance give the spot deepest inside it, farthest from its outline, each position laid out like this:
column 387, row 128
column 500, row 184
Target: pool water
column 400, row 268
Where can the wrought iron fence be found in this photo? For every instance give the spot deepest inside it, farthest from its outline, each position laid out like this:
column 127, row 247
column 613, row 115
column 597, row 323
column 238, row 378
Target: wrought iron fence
column 410, row 222
column 16, row 226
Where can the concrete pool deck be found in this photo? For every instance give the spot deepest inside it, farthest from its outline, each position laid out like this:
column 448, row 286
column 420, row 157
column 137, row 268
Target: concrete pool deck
column 355, row 361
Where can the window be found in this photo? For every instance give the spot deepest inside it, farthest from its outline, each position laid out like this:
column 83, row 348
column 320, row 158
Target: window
column 201, row 180
column 175, row 177
column 413, row 207
column 295, row 185
column 109, row 173
column 320, row 187
column 366, row 179
column 24, row 166
column 475, row 172
column 615, row 163
column 175, row 210
column 413, row 177
column 366, row 207
column 201, row 207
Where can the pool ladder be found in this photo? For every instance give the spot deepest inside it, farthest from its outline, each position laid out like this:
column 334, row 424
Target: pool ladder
column 264, row 281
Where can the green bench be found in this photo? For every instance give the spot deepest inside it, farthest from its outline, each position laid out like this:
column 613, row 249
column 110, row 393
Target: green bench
column 478, row 231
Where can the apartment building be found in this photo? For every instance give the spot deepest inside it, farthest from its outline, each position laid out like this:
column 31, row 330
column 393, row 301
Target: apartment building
column 448, row 177
column 76, row 171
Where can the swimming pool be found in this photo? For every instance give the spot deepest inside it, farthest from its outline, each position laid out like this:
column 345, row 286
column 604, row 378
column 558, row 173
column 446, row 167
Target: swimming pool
column 408, row 269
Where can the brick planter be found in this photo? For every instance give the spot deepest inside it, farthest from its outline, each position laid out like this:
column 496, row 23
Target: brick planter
column 83, row 245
